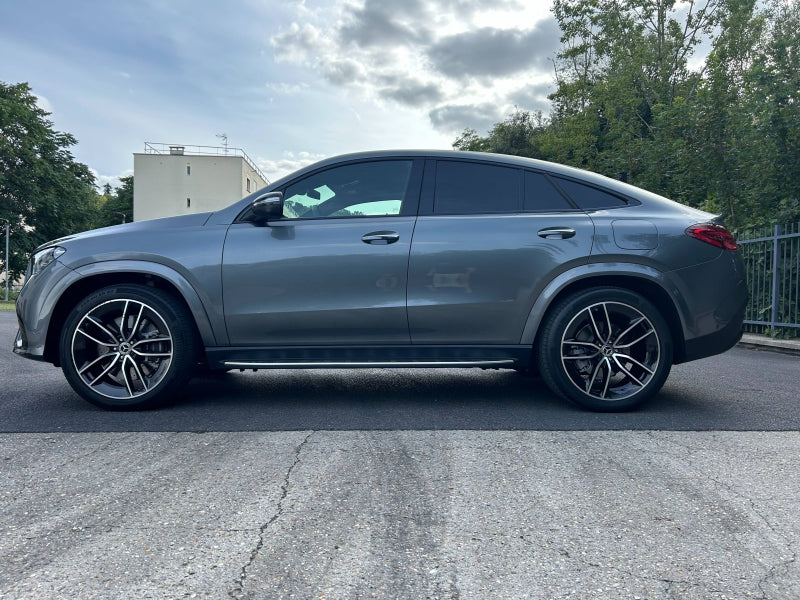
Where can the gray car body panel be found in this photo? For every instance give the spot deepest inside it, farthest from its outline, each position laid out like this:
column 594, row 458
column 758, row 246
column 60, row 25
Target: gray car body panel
column 315, row 282
column 489, row 283
column 474, row 278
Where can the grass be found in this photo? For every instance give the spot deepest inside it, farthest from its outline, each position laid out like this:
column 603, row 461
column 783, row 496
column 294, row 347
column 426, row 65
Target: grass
column 6, row 306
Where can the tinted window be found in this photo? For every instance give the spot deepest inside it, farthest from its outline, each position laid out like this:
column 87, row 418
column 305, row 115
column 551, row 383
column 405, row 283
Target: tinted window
column 468, row 188
column 355, row 190
column 589, row 198
column 540, row 194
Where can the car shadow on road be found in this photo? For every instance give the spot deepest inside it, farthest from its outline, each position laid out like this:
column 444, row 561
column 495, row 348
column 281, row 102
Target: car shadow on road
column 36, row 398
column 385, row 399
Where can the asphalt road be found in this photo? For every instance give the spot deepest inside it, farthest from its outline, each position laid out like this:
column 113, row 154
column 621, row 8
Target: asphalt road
column 742, row 390
column 449, row 485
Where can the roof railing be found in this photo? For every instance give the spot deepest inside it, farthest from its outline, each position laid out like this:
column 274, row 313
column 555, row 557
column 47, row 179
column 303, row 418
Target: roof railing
column 195, row 150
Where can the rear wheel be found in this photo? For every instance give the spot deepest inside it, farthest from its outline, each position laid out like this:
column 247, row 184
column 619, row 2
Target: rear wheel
column 606, row 349
column 128, row 347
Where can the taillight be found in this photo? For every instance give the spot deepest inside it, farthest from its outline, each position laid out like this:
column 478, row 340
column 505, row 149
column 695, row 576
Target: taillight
column 716, row 235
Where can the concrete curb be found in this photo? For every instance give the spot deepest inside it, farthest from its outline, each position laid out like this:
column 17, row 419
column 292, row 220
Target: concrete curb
column 762, row 342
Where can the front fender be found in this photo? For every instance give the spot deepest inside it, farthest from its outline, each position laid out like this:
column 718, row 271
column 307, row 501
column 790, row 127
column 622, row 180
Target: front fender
column 207, row 315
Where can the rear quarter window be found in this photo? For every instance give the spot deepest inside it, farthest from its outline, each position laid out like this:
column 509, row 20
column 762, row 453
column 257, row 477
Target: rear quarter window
column 588, row 197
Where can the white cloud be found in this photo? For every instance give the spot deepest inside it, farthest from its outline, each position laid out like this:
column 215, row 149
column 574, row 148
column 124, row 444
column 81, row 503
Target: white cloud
column 114, row 180
column 43, row 103
column 463, row 63
column 290, row 162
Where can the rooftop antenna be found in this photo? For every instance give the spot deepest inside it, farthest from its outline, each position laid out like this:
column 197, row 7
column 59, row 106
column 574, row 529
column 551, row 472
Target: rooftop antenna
column 224, row 138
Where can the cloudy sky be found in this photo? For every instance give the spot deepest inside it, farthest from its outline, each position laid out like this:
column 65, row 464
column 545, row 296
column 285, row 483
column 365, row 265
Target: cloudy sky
column 289, row 81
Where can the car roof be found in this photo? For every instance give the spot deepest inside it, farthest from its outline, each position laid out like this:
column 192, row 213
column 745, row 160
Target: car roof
column 503, row 159
column 625, row 189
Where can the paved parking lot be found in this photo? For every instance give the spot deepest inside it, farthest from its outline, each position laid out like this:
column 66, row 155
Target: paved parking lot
column 385, row 487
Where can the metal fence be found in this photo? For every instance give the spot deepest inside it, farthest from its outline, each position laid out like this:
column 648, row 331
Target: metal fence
column 772, row 257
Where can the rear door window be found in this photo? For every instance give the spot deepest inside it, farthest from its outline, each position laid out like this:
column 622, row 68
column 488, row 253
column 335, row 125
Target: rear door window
column 542, row 196
column 475, row 188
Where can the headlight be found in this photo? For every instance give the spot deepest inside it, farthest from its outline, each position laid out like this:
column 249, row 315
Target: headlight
column 43, row 258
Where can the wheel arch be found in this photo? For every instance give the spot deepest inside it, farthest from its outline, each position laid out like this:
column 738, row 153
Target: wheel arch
column 648, row 284
column 177, row 288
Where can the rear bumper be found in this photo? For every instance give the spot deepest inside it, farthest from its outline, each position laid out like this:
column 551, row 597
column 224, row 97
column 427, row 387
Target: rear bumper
column 717, row 342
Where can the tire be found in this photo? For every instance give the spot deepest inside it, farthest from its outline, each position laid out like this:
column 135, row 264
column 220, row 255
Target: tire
column 605, row 349
column 128, row 347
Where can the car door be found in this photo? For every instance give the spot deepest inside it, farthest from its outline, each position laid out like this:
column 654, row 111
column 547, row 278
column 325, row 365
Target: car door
column 333, row 271
column 488, row 239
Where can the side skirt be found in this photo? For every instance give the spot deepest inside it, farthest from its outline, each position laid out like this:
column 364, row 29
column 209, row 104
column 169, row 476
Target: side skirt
column 352, row 357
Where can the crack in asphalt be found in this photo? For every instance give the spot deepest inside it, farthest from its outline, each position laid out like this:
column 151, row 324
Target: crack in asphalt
column 237, row 592
column 781, row 568
column 778, row 567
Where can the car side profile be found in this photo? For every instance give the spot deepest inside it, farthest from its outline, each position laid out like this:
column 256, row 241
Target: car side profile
column 394, row 259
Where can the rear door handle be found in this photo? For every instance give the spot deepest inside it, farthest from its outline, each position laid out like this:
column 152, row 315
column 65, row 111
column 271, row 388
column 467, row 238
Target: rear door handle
column 380, row 237
column 556, row 233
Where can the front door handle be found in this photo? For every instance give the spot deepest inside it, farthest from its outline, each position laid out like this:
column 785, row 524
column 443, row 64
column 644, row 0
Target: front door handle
column 380, row 237
column 556, row 233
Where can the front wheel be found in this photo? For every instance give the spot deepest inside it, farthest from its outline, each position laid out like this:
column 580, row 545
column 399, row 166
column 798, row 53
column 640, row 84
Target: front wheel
column 605, row 349
column 128, row 347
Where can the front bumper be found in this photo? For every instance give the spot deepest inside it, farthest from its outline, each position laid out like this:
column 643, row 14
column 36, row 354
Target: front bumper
column 35, row 306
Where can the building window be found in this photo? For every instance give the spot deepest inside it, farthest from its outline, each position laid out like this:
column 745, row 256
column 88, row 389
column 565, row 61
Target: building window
column 188, row 203
column 248, row 184
column 188, row 169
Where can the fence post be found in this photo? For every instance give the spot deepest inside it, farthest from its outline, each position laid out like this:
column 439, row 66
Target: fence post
column 776, row 267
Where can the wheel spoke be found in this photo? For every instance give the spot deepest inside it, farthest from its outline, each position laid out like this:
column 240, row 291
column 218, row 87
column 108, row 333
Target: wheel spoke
column 595, row 347
column 608, row 377
column 630, row 328
column 136, row 323
column 609, row 326
column 101, row 327
column 626, row 371
column 581, row 356
column 138, row 372
column 152, row 354
column 638, row 364
column 577, row 343
column 637, row 340
column 125, row 377
column 106, row 371
column 597, row 335
column 94, row 339
column 97, row 360
column 594, row 377
column 123, row 321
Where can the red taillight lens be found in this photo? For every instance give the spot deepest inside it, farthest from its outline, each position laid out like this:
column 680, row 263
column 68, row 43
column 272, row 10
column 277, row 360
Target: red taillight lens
column 716, row 235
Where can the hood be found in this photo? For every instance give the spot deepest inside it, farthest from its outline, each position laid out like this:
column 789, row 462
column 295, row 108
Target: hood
column 167, row 223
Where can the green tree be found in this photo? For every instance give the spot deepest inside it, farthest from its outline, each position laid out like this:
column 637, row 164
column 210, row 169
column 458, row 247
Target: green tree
column 620, row 60
column 721, row 134
column 117, row 207
column 44, row 192
column 772, row 86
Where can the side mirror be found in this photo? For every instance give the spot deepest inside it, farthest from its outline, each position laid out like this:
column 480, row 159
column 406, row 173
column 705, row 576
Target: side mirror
column 268, row 206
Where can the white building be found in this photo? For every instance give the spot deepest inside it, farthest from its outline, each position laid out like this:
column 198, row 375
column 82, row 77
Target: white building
column 172, row 179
